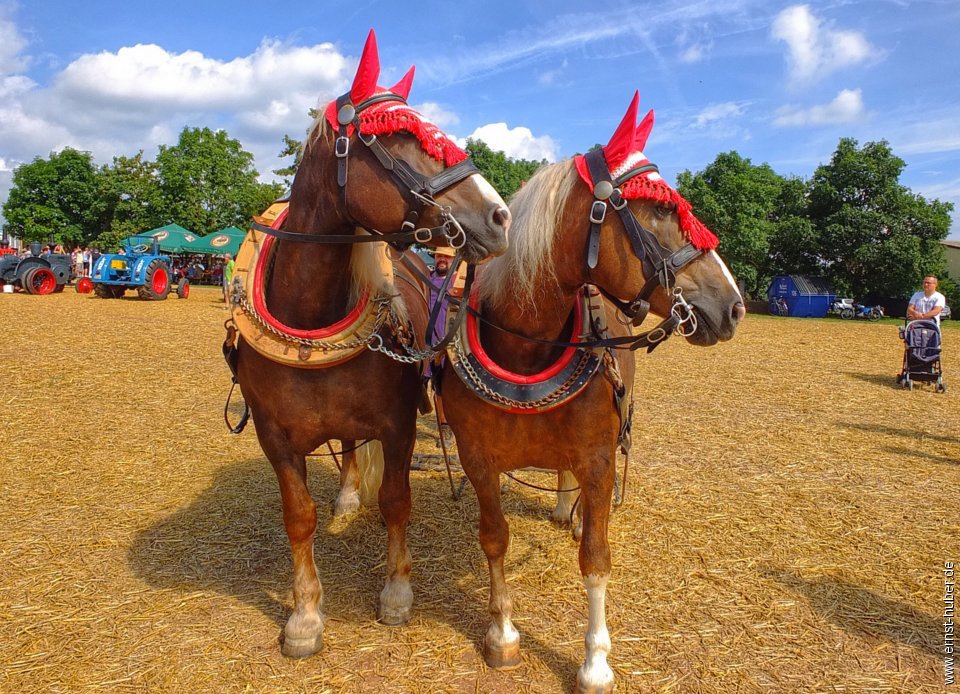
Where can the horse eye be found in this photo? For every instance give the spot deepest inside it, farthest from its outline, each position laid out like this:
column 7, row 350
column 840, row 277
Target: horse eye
column 665, row 209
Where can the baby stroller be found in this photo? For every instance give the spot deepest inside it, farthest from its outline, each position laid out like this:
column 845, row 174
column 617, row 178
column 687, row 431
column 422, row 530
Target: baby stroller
column 921, row 355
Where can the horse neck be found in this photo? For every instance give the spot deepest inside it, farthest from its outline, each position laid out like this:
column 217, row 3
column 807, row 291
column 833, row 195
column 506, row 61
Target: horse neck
column 311, row 284
column 546, row 317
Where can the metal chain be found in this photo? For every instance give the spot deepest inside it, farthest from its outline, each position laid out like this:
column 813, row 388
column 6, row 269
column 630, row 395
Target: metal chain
column 383, row 312
column 548, row 399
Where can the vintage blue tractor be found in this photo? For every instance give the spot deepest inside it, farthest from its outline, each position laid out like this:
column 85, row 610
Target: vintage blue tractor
column 139, row 266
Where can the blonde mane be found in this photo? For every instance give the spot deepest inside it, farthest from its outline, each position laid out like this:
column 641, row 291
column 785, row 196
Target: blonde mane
column 536, row 209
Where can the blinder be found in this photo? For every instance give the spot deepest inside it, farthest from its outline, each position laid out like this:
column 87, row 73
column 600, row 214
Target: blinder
column 660, row 266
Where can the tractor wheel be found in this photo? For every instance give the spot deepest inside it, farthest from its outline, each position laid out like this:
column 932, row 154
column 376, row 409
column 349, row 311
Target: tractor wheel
column 183, row 288
column 59, row 288
column 84, row 285
column 157, row 284
column 40, row 280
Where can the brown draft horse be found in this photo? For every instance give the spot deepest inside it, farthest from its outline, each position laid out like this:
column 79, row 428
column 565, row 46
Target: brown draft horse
column 369, row 160
column 512, row 399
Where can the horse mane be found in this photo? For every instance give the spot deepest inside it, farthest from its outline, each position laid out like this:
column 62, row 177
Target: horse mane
column 370, row 268
column 536, row 209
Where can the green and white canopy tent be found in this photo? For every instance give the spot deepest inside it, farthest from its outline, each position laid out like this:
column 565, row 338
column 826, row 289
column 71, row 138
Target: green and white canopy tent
column 173, row 238
column 224, row 241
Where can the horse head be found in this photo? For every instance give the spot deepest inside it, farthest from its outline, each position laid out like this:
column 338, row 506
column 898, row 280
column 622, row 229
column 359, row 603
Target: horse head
column 646, row 248
column 380, row 165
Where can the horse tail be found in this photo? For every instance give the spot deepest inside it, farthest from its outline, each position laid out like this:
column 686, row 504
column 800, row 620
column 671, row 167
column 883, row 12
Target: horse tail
column 370, row 465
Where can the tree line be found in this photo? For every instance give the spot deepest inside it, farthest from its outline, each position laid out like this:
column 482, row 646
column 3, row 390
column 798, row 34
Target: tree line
column 852, row 223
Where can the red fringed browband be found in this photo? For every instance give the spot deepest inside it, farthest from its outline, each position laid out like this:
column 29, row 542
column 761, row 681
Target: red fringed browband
column 643, row 187
column 389, row 117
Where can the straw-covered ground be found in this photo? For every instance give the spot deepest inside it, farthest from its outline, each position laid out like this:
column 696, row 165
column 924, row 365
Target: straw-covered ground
column 788, row 517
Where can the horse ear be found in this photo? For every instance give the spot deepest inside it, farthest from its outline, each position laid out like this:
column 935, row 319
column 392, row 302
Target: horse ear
column 643, row 132
column 621, row 144
column 402, row 88
column 368, row 72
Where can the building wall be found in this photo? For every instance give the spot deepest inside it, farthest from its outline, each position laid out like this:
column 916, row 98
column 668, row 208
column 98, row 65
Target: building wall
column 951, row 251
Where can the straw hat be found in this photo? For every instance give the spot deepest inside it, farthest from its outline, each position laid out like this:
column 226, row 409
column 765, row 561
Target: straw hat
column 444, row 250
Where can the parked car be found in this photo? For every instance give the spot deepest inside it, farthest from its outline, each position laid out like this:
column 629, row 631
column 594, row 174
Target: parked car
column 945, row 313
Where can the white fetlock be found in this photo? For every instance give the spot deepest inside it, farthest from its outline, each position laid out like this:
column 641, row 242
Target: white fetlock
column 347, row 502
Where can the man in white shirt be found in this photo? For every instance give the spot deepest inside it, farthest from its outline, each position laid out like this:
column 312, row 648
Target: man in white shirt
column 927, row 304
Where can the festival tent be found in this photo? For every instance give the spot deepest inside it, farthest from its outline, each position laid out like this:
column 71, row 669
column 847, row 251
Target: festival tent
column 173, row 238
column 224, row 241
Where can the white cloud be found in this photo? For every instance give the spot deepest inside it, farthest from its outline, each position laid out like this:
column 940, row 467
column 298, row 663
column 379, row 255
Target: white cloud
column 11, row 45
column 517, row 143
column 718, row 112
column 436, row 114
column 815, row 50
column 847, row 107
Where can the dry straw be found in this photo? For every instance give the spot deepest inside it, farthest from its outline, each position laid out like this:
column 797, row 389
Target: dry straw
column 788, row 518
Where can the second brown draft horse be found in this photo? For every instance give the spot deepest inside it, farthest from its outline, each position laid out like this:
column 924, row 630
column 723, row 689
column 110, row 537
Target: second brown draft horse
column 532, row 380
column 371, row 166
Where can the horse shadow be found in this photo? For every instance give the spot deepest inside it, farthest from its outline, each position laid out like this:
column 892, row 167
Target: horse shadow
column 861, row 611
column 230, row 540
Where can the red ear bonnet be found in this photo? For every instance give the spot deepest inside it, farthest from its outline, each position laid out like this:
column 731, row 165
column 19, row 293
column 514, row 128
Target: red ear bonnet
column 621, row 144
column 365, row 83
column 624, row 155
column 389, row 116
column 402, row 88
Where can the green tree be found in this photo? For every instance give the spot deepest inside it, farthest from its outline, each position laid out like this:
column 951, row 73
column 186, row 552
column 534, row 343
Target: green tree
column 874, row 236
column 55, row 198
column 744, row 205
column 506, row 175
column 131, row 199
column 208, row 181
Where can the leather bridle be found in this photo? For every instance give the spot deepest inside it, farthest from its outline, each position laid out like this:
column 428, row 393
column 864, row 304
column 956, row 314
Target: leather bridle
column 660, row 266
column 421, row 188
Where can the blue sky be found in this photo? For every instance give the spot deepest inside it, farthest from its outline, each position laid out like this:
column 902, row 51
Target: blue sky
column 778, row 82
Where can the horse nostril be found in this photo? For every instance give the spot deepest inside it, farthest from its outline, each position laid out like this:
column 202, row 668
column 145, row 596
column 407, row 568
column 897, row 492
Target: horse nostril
column 738, row 312
column 501, row 217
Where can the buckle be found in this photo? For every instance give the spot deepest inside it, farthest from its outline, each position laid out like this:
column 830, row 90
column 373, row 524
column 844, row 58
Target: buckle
column 617, row 197
column 341, row 147
column 598, row 211
column 422, row 235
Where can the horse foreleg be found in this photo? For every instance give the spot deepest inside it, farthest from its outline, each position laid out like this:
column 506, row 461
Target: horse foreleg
column 303, row 633
column 396, row 598
column 348, row 499
column 595, row 675
column 501, row 644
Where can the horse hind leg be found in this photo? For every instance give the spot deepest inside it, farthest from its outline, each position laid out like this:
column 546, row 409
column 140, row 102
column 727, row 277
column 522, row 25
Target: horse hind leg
column 568, row 511
column 348, row 498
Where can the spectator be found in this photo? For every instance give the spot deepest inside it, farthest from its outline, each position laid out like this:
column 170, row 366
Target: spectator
column 228, row 267
column 928, row 302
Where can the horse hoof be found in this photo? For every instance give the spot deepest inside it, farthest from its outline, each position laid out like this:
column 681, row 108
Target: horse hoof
column 302, row 648
column 502, row 658
column 593, row 689
column 393, row 617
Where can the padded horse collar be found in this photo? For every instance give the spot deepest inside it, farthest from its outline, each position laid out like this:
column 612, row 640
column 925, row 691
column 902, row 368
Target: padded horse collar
column 660, row 266
column 529, row 394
